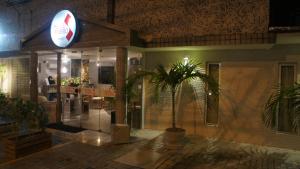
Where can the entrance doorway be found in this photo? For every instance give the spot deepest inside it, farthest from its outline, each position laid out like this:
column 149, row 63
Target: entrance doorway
column 87, row 87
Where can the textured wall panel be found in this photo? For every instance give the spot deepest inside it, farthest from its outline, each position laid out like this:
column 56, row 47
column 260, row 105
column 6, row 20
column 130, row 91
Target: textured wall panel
column 173, row 18
column 154, row 18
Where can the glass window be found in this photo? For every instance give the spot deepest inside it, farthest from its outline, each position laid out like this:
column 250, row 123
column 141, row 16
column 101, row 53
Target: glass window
column 212, row 100
column 106, row 75
column 287, row 79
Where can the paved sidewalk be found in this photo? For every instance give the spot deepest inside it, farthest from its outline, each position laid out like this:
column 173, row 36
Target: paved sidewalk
column 211, row 154
column 141, row 153
column 73, row 155
column 84, row 150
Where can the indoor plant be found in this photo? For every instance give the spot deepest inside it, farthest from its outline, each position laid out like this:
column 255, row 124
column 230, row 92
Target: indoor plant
column 72, row 81
column 171, row 80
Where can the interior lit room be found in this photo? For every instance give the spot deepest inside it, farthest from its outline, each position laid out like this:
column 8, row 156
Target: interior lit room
column 87, row 93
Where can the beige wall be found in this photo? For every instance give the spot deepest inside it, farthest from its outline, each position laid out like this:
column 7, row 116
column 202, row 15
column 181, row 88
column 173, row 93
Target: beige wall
column 246, row 80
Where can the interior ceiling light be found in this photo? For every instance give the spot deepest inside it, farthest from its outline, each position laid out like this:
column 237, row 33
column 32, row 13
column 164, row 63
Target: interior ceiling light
column 64, row 70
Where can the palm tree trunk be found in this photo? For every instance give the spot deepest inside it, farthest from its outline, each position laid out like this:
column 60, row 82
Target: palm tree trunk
column 173, row 109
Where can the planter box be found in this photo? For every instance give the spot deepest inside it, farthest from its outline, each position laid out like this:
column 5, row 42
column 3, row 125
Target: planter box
column 120, row 133
column 7, row 130
column 173, row 138
column 20, row 146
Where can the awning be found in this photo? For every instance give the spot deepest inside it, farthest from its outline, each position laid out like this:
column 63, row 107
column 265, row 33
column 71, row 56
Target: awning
column 91, row 34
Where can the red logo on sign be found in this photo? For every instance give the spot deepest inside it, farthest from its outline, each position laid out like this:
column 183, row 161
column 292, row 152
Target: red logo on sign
column 70, row 33
column 63, row 28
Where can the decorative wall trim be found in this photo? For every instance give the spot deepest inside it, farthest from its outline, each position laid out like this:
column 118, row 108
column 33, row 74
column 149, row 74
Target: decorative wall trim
column 209, row 40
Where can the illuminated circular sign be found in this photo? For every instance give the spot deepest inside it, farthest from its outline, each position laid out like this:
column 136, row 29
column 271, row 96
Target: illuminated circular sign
column 63, row 28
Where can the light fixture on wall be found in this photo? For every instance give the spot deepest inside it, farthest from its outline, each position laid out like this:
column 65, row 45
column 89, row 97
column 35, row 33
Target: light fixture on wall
column 65, row 59
column 98, row 141
column 186, row 60
column 64, row 69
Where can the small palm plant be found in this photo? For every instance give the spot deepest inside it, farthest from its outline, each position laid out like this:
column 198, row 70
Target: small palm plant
column 171, row 80
column 287, row 100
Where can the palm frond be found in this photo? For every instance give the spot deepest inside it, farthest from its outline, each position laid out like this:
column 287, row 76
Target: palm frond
column 131, row 81
column 275, row 101
column 172, row 79
column 271, row 108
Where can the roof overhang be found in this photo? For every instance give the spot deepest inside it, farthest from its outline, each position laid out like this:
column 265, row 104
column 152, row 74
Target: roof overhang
column 91, row 34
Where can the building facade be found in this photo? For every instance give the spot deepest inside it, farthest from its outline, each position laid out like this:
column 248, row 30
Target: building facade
column 230, row 38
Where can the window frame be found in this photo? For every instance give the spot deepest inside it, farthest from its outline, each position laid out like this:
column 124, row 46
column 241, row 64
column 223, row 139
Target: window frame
column 294, row 64
column 206, row 88
column 99, row 69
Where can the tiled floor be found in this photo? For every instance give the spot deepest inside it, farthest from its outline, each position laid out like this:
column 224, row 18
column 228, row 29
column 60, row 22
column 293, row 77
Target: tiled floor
column 212, row 154
column 85, row 152
column 73, row 156
column 146, row 133
column 100, row 138
column 95, row 119
column 92, row 137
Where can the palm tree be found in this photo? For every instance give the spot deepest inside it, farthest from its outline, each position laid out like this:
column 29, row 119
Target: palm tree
column 171, row 80
column 286, row 100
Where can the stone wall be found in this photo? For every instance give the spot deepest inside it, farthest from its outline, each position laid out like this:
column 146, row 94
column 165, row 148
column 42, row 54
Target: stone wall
column 173, row 18
column 151, row 18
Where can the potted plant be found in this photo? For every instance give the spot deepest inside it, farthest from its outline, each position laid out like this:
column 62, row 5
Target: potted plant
column 72, row 81
column 171, row 80
column 30, row 135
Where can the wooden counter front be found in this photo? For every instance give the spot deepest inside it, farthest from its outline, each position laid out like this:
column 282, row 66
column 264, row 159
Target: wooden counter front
column 87, row 91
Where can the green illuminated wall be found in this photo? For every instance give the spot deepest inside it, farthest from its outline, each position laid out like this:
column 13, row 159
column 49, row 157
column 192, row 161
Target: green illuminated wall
column 247, row 77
